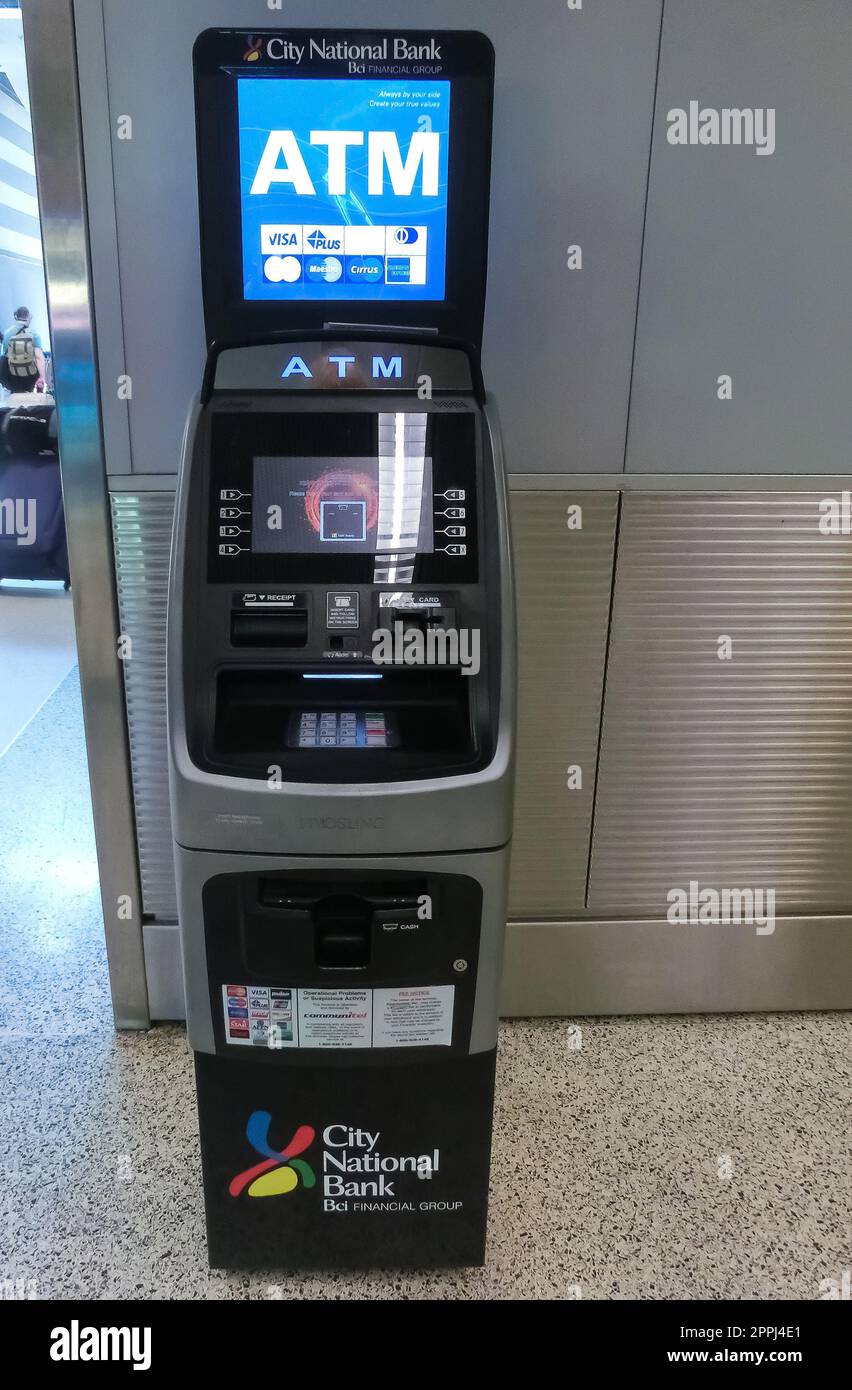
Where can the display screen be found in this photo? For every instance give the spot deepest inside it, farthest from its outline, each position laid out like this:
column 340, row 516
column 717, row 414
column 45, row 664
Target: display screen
column 314, row 506
column 343, row 186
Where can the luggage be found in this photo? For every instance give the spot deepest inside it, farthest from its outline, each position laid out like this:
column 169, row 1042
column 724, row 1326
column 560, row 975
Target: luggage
column 32, row 517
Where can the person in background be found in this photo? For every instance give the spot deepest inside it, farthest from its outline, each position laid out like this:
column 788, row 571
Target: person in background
column 22, row 363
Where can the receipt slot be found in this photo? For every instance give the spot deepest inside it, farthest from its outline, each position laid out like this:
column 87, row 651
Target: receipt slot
column 341, row 655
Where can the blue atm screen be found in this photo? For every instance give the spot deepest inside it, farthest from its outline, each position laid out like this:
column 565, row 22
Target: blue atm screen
column 343, row 188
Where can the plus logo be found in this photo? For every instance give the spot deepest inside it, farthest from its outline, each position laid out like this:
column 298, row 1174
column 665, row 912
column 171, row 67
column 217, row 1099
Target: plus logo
column 319, row 242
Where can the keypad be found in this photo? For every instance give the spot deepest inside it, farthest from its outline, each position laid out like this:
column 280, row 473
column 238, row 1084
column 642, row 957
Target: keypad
column 342, row 729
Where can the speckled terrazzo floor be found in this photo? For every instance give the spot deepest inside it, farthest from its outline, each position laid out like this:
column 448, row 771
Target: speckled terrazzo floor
column 693, row 1158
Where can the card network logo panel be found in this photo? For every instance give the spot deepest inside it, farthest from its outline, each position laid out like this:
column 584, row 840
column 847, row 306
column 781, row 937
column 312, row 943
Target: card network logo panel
column 311, row 254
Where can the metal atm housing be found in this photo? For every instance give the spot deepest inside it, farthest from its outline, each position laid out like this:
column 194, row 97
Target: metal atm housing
column 341, row 808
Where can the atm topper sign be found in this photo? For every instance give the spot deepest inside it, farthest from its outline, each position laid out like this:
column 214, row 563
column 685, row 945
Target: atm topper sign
column 343, row 186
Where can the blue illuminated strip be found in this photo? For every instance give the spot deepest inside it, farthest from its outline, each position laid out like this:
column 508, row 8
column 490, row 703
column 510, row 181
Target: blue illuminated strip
column 343, row 676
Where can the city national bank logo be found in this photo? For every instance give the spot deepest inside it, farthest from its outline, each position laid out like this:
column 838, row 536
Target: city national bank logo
column 356, row 1175
column 401, row 50
column 281, row 1168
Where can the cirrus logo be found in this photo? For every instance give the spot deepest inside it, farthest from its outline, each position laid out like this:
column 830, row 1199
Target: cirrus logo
column 281, row 1168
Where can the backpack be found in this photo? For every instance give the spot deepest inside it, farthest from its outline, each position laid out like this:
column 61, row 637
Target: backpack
column 21, row 366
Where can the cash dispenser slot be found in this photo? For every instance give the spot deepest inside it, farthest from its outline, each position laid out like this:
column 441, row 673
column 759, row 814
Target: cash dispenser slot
column 327, row 923
column 284, row 895
column 405, row 722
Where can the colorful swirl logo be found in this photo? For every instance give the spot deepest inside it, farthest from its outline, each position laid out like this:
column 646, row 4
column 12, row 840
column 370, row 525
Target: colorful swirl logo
column 281, row 1168
column 253, row 52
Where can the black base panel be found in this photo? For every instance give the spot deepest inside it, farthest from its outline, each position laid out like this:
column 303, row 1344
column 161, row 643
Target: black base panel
column 414, row 1109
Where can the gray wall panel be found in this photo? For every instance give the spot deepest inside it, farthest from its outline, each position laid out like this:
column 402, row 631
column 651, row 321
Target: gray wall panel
column 735, row 773
column 564, row 584
column 746, row 267
column 572, row 134
column 142, row 528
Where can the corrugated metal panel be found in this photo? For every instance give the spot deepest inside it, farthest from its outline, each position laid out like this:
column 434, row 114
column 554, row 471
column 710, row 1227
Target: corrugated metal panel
column 735, row 773
column 564, row 583
column 142, row 528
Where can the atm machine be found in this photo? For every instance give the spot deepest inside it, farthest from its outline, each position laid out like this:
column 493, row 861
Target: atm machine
column 342, row 653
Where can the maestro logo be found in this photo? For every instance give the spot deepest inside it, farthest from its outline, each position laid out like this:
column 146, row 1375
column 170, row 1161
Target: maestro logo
column 254, row 51
column 281, row 1168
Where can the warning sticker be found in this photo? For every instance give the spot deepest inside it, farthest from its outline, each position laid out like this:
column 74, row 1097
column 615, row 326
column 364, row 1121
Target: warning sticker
column 279, row 1016
column 335, row 1017
column 421, row 1017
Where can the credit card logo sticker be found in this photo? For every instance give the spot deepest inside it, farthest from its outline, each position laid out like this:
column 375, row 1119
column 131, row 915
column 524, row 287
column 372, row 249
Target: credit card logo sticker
column 325, row 239
column 365, row 269
column 275, row 238
column 283, row 270
column 411, row 239
column 327, row 268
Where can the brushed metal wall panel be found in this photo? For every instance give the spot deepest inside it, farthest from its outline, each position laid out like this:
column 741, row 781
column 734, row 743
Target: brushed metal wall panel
column 142, row 529
column 736, row 773
column 564, row 585
column 645, row 967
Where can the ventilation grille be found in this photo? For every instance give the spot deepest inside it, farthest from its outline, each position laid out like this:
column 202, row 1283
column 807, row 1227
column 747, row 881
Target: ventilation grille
column 142, row 529
column 734, row 773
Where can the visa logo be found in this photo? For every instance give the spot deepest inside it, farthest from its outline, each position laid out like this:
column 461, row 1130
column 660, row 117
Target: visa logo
column 384, row 161
column 279, row 238
column 390, row 368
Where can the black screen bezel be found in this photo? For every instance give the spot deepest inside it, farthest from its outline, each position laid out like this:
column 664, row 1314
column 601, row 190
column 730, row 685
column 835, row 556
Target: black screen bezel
column 467, row 61
column 236, row 440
